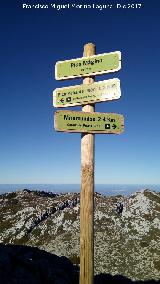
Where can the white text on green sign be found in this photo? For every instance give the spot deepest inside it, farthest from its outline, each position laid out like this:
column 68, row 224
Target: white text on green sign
column 88, row 66
column 83, row 94
column 74, row 121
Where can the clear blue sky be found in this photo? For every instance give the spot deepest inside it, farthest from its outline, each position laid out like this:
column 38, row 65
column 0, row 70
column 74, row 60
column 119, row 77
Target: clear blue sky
column 32, row 41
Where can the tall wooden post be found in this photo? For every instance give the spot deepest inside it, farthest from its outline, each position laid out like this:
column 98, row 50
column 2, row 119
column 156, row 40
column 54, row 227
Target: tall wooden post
column 87, row 193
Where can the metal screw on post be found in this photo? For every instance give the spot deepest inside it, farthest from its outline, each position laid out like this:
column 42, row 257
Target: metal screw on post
column 87, row 193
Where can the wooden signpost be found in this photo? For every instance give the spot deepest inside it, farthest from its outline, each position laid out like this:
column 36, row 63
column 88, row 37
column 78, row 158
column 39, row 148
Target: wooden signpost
column 87, row 123
column 87, row 94
column 88, row 65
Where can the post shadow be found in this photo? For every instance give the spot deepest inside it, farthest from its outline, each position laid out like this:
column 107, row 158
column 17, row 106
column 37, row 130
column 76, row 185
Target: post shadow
column 29, row 265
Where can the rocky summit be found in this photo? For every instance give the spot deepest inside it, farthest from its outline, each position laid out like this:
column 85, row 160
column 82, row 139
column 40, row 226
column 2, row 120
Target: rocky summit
column 127, row 242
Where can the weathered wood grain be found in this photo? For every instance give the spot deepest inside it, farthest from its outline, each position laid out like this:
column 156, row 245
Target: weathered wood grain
column 87, row 194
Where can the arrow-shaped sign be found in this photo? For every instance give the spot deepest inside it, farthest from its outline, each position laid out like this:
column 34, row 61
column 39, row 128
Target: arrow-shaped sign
column 74, row 121
column 101, row 91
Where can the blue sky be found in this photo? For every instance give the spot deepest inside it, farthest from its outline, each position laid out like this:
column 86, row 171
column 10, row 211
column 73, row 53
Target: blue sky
column 32, row 41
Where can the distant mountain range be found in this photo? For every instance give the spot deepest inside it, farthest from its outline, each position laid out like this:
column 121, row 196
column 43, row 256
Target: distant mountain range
column 127, row 244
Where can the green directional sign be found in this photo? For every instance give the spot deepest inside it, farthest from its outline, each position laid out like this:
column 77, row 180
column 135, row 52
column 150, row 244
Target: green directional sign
column 74, row 121
column 85, row 94
column 87, row 66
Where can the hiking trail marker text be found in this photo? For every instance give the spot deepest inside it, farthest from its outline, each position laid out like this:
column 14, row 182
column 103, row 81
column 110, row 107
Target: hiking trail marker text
column 101, row 91
column 74, row 121
column 88, row 66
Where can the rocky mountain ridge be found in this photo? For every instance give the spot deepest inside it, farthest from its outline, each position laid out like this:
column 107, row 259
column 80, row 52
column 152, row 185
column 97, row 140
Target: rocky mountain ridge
column 126, row 244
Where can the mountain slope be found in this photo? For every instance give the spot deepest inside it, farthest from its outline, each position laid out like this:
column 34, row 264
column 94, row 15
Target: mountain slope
column 126, row 244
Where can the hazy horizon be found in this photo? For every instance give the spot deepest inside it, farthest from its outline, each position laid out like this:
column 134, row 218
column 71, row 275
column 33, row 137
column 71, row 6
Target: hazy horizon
column 106, row 189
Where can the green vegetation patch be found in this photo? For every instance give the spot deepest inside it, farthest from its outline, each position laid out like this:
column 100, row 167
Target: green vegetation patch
column 60, row 230
column 157, row 264
column 5, row 224
column 70, row 216
column 22, row 241
column 75, row 259
column 11, row 195
column 67, row 237
column 152, row 196
column 144, row 244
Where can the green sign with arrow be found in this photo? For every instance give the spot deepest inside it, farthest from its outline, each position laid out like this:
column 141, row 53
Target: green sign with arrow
column 106, row 90
column 73, row 121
